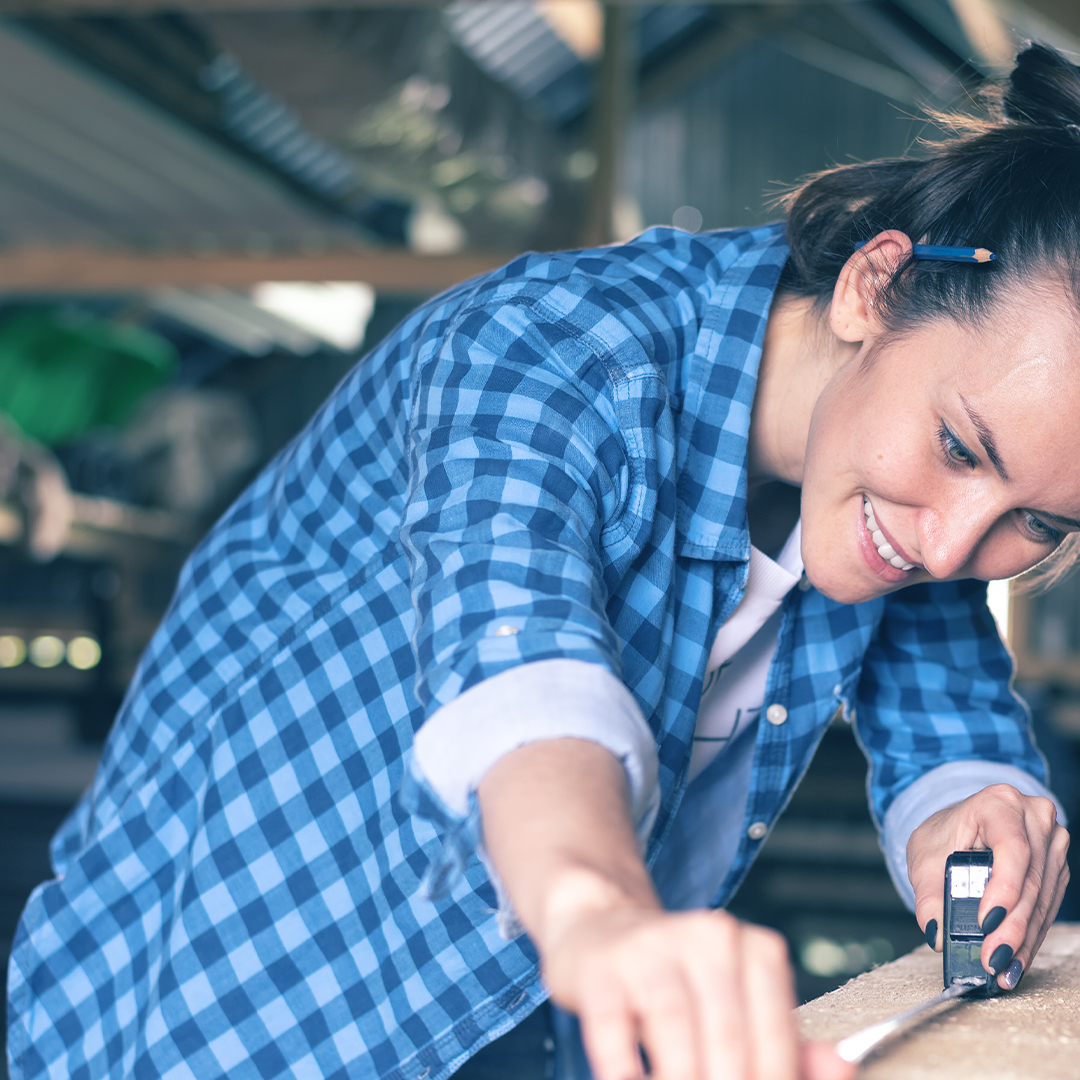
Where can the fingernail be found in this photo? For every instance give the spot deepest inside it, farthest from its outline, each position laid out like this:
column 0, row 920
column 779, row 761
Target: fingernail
column 994, row 918
column 1013, row 973
column 1000, row 957
column 931, row 933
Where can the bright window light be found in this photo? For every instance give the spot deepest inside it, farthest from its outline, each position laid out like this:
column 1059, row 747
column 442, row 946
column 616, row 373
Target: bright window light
column 997, row 598
column 337, row 312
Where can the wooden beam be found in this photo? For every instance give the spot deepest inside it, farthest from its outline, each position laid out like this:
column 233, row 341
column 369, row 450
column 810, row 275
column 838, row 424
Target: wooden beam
column 610, row 119
column 85, row 270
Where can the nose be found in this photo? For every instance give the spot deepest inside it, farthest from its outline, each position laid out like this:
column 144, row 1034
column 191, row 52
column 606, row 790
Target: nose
column 949, row 536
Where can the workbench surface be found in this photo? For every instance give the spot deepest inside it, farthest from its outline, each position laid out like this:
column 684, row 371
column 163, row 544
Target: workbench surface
column 1032, row 1033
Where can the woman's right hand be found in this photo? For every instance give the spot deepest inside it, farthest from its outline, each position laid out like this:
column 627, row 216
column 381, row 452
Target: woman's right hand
column 706, row 996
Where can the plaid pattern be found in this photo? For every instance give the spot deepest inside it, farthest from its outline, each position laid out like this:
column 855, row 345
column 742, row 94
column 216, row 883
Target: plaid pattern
column 559, row 446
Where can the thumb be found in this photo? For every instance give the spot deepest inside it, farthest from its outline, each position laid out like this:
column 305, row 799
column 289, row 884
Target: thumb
column 818, row 1061
column 930, row 913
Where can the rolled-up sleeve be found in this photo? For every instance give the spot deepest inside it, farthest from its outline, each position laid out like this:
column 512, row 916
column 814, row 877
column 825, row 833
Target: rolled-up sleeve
column 516, row 467
column 548, row 699
column 519, row 473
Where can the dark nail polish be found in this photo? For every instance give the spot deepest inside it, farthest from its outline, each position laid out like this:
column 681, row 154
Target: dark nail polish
column 994, row 918
column 1013, row 973
column 931, row 933
column 1000, row 957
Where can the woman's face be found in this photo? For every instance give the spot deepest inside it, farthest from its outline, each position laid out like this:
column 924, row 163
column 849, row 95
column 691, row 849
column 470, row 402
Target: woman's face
column 953, row 451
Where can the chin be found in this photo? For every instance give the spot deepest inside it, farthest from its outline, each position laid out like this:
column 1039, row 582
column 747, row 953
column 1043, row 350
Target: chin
column 844, row 592
column 843, row 588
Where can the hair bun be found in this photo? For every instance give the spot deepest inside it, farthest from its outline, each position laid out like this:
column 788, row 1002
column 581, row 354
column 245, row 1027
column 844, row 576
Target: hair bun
column 1044, row 89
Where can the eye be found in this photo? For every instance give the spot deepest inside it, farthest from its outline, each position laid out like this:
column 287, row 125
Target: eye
column 1038, row 530
column 954, row 450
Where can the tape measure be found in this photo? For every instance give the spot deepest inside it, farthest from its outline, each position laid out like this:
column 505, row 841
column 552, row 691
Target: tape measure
column 966, row 875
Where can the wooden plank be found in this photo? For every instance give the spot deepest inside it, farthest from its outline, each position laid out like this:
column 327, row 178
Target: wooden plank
column 85, row 270
column 1032, row 1033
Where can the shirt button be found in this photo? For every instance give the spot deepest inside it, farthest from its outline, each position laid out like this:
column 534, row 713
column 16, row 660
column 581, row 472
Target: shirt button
column 804, row 583
column 757, row 831
column 776, row 714
column 505, row 631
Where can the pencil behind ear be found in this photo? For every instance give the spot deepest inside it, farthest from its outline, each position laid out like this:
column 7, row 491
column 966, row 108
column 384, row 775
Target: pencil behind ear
column 854, row 313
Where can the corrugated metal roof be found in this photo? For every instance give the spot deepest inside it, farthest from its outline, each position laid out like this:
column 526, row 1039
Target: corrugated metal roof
column 511, row 41
column 514, row 43
column 83, row 160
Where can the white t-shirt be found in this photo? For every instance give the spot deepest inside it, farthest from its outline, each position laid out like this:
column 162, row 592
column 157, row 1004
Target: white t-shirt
column 738, row 666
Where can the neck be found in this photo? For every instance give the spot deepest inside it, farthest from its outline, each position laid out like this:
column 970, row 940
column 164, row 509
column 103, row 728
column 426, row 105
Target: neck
column 799, row 356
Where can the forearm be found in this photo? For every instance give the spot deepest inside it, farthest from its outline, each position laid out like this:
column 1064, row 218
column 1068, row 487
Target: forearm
column 558, row 828
column 704, row 994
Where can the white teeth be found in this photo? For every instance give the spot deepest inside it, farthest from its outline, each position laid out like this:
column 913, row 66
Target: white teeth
column 883, row 546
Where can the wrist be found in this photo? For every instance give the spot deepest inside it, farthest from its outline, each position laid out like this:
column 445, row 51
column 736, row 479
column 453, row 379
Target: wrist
column 577, row 894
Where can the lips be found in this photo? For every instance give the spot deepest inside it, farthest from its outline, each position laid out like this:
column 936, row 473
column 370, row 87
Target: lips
column 881, row 542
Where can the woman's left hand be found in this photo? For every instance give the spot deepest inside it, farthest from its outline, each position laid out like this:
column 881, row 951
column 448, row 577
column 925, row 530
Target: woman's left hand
column 1028, row 880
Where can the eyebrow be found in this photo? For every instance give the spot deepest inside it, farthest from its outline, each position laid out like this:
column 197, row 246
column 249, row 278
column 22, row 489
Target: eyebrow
column 986, row 437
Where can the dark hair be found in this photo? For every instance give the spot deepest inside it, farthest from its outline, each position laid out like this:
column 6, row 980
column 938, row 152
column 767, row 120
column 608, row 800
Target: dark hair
column 1007, row 179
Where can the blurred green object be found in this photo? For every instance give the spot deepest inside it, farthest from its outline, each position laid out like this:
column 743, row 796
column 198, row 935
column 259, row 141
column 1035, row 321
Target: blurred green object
column 61, row 376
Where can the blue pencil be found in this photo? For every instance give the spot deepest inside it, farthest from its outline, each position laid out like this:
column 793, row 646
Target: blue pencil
column 941, row 253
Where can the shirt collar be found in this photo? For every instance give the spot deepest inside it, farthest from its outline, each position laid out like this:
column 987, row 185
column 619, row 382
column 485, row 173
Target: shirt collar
column 715, row 422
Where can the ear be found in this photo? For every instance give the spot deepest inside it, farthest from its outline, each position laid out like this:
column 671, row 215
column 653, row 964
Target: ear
column 853, row 314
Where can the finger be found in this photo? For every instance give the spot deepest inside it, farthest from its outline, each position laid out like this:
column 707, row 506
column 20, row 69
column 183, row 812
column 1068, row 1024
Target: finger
column 1004, row 828
column 665, row 1011
column 770, row 998
column 932, row 926
column 955, row 828
column 926, row 878
column 1035, row 852
column 818, row 1061
column 609, row 1034
column 718, row 988
column 1040, row 922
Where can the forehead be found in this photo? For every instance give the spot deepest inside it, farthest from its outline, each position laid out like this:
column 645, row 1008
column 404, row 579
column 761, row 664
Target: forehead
column 1019, row 369
column 1030, row 338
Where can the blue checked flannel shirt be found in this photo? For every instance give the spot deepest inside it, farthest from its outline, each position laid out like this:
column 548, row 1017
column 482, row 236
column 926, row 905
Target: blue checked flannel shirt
column 559, row 445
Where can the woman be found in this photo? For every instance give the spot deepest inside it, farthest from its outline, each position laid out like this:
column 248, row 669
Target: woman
column 581, row 562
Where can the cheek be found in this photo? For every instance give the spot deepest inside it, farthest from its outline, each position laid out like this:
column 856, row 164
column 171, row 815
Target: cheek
column 878, row 450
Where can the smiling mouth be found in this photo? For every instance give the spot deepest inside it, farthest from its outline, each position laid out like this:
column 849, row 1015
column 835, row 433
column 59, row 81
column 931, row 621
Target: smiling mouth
column 884, row 548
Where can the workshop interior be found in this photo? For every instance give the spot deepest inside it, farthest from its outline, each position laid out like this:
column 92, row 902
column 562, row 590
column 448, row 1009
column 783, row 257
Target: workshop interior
column 210, row 210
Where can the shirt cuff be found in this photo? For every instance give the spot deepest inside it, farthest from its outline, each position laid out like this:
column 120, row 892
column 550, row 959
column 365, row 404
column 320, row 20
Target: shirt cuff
column 945, row 786
column 546, row 699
